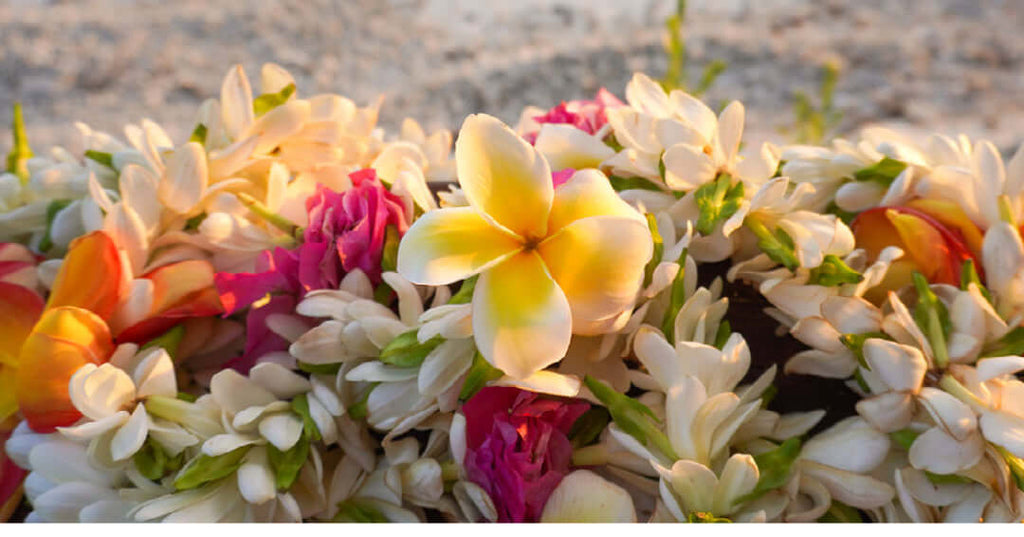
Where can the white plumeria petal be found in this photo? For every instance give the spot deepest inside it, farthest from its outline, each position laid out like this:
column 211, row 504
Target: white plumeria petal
column 98, row 392
column 584, row 496
column 565, row 146
column 130, row 437
column 547, row 382
column 281, row 430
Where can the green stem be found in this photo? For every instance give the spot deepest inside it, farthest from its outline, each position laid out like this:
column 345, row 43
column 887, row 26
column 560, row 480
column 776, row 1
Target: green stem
column 262, row 211
column 954, row 388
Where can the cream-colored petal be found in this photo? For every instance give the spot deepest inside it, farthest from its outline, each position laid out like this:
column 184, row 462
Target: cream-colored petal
column 694, row 484
column 687, row 167
column 98, row 392
column 587, row 193
column 852, row 445
column 279, row 380
column 255, row 478
column 739, row 477
column 236, row 102
column 503, row 176
column 448, row 245
column 730, row 130
column 547, row 382
column 281, row 430
column 235, row 393
column 130, row 437
column 521, row 318
column 444, row 366
column 155, row 374
column 598, row 262
column 940, row 453
column 186, row 178
column 1005, row 430
column 565, row 146
column 901, row 367
column 584, row 496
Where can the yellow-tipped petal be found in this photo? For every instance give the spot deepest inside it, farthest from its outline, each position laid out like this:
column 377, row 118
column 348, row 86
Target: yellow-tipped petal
column 521, row 319
column 599, row 264
column 503, row 176
column 565, row 146
column 587, row 193
column 448, row 245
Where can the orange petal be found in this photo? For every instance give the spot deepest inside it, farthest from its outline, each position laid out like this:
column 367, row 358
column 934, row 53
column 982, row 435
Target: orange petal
column 925, row 245
column 91, row 276
column 954, row 218
column 181, row 290
column 65, row 339
column 21, row 309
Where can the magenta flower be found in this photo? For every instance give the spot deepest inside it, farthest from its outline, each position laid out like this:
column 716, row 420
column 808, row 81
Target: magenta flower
column 588, row 116
column 346, row 231
column 517, row 448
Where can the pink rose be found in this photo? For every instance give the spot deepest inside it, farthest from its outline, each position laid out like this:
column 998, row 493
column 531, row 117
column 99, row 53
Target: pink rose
column 517, row 449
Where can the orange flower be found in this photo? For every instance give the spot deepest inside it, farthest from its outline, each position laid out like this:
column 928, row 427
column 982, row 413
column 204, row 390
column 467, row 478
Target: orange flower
column 935, row 236
column 94, row 301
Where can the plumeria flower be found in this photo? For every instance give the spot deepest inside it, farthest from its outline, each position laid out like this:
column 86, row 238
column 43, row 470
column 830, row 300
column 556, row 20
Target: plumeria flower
column 543, row 272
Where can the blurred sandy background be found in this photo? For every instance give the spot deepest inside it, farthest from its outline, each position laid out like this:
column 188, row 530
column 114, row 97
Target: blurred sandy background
column 947, row 65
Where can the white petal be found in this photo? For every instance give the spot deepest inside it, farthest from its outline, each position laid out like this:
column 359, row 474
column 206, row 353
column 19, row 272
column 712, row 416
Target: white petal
column 279, row 380
column 101, row 391
column 694, row 484
column 236, row 102
column 130, row 437
column 225, row 443
column 235, row 393
column 444, row 365
column 565, row 146
column 940, row 453
column 548, row 382
column 851, row 445
column 687, row 167
column 155, row 375
column 739, row 477
column 281, row 430
column 584, row 496
column 255, row 478
column 186, row 178
column 852, row 489
column 901, row 367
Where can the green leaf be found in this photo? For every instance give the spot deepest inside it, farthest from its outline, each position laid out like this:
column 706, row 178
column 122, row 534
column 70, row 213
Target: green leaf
column 204, row 468
column 711, row 73
column 389, row 256
column 320, row 369
column 1011, row 344
column 465, row 293
column 101, row 157
column 904, row 438
column 154, row 463
column 833, row 272
column 969, row 275
column 659, row 248
column 269, row 101
column 855, row 342
column 20, row 153
column 589, row 426
column 198, row 134
column 932, row 316
column 777, row 245
column 841, row 513
column 677, row 297
column 288, row 464
column 361, row 510
column 717, row 201
column 883, row 172
column 480, row 373
column 300, row 405
column 169, row 340
column 632, row 183
column 775, row 466
column 406, row 351
column 706, row 518
column 55, row 207
column 632, row 416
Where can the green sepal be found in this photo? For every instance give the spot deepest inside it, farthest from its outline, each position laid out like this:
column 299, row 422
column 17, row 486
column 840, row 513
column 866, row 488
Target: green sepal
column 589, row 426
column 768, row 395
column 722, row 334
column 269, row 101
column 101, row 157
column 659, row 248
column 717, row 201
column 360, row 510
column 883, row 172
column 17, row 159
column 833, row 272
column 288, row 464
column 777, row 245
column 192, row 224
column 904, row 438
column 465, row 292
column 969, row 275
column 855, row 342
column 198, row 134
column 1011, row 344
column 169, row 340
column 406, row 351
column 846, row 216
column 677, row 297
column 706, row 518
column 632, row 416
column 187, row 397
column 480, row 373
column 319, row 369
column 1015, row 463
column 932, row 317
column 300, row 405
column 204, row 468
column 389, row 256
column 775, row 467
column 383, row 294
column 620, row 184
column 154, row 463
column 839, row 512
column 358, row 410
column 52, row 209
column 946, row 479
